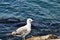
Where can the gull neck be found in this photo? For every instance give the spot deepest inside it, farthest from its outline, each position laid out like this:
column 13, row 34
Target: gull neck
column 29, row 24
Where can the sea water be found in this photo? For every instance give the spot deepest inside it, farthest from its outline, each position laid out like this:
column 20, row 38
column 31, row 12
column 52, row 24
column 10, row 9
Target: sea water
column 45, row 13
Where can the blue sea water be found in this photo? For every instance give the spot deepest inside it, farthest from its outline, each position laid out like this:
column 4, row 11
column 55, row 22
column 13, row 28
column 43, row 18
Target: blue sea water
column 45, row 13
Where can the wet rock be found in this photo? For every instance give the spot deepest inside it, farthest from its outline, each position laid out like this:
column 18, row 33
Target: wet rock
column 46, row 37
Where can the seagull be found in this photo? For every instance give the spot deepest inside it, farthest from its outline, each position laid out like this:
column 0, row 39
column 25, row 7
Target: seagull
column 24, row 30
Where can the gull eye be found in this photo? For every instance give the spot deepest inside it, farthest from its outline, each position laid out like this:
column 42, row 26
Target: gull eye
column 29, row 20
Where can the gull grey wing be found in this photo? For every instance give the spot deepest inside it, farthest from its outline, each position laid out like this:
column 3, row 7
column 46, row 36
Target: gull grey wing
column 21, row 32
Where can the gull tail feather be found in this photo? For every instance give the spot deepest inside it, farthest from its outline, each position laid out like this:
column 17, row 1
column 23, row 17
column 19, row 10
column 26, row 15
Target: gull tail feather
column 9, row 34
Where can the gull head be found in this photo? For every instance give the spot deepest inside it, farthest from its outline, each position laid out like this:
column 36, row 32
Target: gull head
column 29, row 20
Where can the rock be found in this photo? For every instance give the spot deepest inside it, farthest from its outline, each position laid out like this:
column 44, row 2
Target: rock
column 46, row 37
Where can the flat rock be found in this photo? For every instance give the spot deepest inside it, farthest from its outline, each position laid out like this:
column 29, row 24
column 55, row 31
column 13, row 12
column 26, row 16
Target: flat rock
column 45, row 37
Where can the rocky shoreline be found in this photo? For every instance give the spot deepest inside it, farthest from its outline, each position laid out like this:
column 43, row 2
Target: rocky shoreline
column 45, row 37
